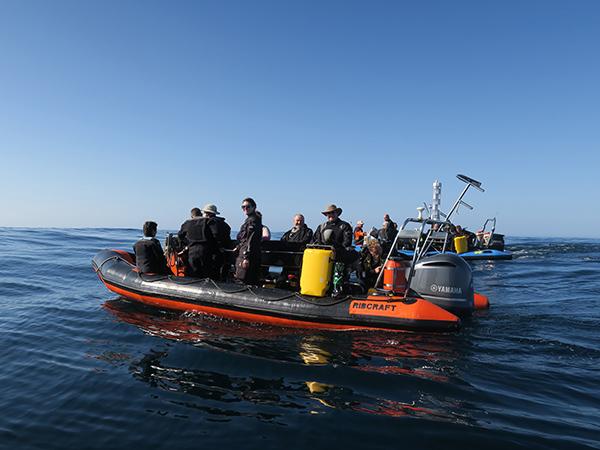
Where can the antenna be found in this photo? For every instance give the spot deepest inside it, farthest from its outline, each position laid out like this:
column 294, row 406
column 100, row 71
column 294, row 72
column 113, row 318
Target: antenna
column 436, row 201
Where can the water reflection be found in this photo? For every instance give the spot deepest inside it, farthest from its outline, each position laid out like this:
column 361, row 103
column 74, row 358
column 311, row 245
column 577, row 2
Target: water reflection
column 391, row 374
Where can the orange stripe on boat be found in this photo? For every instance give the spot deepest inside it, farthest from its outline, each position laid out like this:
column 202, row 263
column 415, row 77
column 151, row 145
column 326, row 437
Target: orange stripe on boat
column 236, row 315
column 419, row 309
column 423, row 311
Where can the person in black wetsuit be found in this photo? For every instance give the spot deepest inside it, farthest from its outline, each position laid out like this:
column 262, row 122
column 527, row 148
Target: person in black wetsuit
column 247, row 263
column 149, row 255
column 200, row 242
column 299, row 232
column 221, row 232
column 335, row 232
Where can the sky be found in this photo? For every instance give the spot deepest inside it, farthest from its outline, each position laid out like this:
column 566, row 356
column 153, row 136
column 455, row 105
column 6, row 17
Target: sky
column 117, row 112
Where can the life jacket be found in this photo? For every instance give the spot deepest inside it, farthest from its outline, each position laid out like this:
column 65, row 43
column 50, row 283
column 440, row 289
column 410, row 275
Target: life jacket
column 359, row 235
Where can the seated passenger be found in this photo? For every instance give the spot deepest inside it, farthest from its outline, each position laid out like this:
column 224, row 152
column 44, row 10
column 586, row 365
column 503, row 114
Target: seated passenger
column 149, row 255
column 266, row 233
column 386, row 235
column 371, row 260
column 299, row 232
column 471, row 237
column 359, row 233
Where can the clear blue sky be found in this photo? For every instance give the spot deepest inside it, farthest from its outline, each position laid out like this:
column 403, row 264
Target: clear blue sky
column 115, row 112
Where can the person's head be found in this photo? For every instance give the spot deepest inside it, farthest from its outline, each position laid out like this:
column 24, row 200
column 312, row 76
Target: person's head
column 386, row 217
column 209, row 210
column 374, row 247
column 195, row 212
column 435, row 226
column 248, row 205
column 459, row 229
column 360, row 224
column 298, row 220
column 150, row 228
column 332, row 212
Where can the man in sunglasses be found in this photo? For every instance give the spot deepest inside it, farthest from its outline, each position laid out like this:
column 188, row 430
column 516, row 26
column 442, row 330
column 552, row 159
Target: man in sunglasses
column 247, row 263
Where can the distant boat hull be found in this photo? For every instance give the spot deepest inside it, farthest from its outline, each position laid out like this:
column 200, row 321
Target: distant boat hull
column 486, row 254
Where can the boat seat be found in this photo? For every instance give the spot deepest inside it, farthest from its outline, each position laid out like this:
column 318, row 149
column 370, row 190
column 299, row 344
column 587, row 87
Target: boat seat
column 281, row 253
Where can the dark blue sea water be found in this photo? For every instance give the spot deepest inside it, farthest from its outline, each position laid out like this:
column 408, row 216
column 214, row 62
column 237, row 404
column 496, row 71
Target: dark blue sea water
column 81, row 368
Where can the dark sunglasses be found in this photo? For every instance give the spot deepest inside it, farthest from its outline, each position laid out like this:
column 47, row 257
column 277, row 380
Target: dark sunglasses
column 246, row 206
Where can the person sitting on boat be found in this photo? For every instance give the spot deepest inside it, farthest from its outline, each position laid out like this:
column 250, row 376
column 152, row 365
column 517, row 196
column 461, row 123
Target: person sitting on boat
column 386, row 218
column 266, row 232
column 200, row 242
column 371, row 261
column 387, row 234
column 359, row 233
column 299, row 232
column 149, row 255
column 247, row 263
column 471, row 237
column 221, row 232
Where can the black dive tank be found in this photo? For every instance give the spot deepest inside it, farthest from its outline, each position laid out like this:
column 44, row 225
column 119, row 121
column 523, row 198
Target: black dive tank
column 445, row 280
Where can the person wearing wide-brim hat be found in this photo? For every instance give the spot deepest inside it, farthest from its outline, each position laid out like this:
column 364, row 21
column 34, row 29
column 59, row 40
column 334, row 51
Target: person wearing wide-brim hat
column 210, row 210
column 220, row 232
column 335, row 231
column 338, row 234
column 330, row 209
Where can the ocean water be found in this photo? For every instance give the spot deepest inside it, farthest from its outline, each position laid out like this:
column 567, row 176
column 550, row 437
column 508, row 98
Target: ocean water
column 82, row 368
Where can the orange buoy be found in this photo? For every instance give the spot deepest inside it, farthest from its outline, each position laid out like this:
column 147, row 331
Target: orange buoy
column 394, row 275
column 481, row 301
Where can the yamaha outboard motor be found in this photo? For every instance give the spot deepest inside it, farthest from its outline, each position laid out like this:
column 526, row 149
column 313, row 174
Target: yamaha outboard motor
column 445, row 280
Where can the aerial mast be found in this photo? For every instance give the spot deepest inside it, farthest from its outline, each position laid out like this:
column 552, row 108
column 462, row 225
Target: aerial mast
column 436, row 201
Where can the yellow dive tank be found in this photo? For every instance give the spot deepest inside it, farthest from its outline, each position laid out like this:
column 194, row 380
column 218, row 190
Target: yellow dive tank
column 461, row 244
column 317, row 268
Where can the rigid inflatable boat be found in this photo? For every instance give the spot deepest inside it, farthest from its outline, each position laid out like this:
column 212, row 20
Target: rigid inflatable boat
column 384, row 310
column 483, row 245
column 421, row 293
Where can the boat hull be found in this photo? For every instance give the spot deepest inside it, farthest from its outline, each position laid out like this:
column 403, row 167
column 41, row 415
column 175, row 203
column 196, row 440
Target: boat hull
column 268, row 305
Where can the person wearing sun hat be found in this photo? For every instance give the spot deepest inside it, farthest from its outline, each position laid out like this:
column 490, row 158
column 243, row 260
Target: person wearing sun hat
column 221, row 232
column 338, row 234
column 335, row 231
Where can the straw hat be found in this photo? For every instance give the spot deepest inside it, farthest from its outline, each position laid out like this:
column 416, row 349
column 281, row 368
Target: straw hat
column 210, row 208
column 330, row 209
